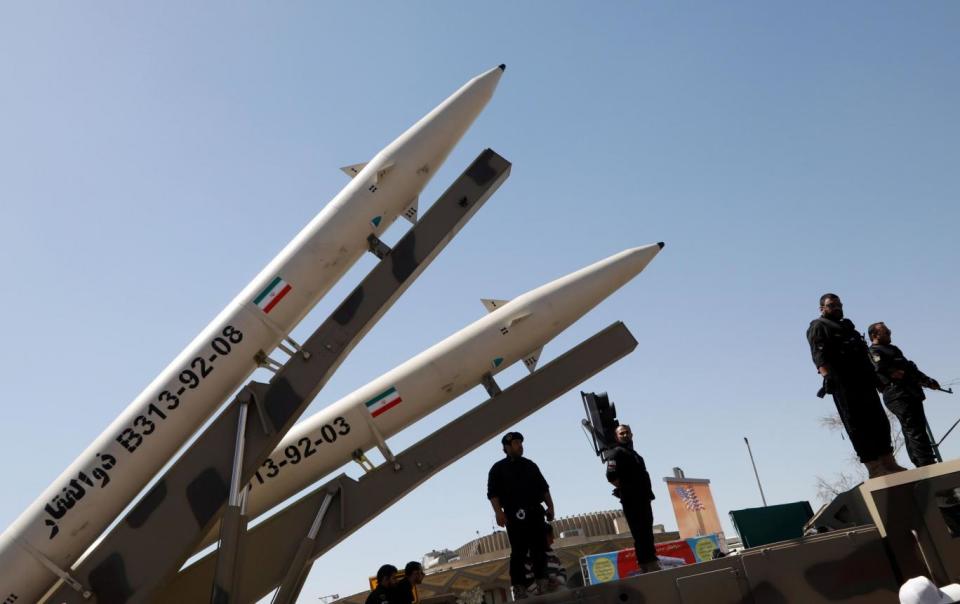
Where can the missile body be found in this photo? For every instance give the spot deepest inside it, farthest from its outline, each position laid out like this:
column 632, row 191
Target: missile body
column 512, row 331
column 81, row 503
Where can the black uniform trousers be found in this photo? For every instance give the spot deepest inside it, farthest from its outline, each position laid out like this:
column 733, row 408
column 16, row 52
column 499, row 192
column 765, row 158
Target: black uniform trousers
column 863, row 417
column 639, row 517
column 913, row 424
column 527, row 535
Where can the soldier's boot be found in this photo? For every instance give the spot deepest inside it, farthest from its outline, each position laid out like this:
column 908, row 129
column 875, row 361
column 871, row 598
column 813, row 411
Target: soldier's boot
column 890, row 463
column 650, row 567
column 520, row 592
column 875, row 468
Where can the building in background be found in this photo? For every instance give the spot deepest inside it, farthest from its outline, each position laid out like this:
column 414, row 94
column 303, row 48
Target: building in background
column 483, row 563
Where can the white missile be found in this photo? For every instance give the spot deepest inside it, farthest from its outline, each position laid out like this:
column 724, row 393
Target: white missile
column 55, row 530
column 512, row 331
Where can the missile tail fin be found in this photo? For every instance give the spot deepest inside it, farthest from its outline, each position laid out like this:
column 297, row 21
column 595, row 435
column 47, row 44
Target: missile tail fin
column 492, row 304
column 353, row 170
column 516, row 319
column 531, row 359
column 411, row 212
column 382, row 172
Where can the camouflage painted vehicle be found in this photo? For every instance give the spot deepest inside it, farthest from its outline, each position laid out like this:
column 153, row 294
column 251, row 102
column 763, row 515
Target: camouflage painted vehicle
column 871, row 539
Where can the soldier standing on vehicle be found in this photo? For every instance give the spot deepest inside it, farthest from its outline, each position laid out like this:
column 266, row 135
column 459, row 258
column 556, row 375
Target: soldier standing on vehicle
column 516, row 489
column 628, row 473
column 840, row 355
column 902, row 385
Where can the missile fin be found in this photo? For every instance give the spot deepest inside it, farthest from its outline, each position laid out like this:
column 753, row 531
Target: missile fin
column 492, row 304
column 411, row 212
column 353, row 170
column 531, row 359
column 514, row 320
column 382, row 172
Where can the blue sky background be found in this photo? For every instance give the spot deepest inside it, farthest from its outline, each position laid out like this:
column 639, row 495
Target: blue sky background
column 153, row 158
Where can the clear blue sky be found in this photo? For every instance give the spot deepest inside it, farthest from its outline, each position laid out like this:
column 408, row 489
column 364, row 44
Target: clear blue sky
column 153, row 158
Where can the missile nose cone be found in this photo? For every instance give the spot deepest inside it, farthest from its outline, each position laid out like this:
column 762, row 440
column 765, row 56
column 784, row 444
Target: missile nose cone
column 661, row 244
column 503, row 66
column 449, row 120
column 486, row 82
column 581, row 290
column 645, row 253
column 621, row 267
column 628, row 263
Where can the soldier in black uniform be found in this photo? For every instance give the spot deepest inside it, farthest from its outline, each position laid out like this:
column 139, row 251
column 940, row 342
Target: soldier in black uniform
column 516, row 488
column 386, row 579
column 628, row 474
column 403, row 590
column 840, row 355
column 902, row 385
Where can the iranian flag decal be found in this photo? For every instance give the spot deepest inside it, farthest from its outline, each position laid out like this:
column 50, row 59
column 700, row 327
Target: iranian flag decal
column 271, row 295
column 383, row 402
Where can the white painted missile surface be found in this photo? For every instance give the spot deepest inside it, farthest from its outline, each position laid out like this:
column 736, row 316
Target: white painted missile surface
column 512, row 331
column 55, row 530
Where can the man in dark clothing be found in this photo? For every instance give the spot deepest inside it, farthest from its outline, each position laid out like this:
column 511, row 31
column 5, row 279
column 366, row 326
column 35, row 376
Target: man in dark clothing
column 385, row 583
column 840, row 355
column 556, row 573
column 902, row 385
column 628, row 474
column 516, row 488
column 403, row 590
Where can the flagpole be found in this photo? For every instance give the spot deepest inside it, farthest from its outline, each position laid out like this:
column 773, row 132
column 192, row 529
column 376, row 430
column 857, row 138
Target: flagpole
column 755, row 471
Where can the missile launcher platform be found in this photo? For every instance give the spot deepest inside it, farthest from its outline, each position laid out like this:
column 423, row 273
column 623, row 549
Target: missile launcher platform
column 863, row 546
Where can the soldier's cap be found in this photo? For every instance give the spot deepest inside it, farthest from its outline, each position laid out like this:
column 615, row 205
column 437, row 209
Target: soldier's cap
column 510, row 437
column 921, row 590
